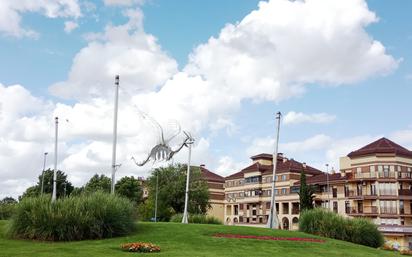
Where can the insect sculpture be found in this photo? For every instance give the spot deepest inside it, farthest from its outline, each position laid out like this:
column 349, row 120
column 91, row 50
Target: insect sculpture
column 162, row 151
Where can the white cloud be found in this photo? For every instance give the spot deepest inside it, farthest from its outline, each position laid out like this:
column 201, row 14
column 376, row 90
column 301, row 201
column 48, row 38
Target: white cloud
column 69, row 26
column 227, row 166
column 123, row 2
column 126, row 50
column 11, row 14
column 299, row 117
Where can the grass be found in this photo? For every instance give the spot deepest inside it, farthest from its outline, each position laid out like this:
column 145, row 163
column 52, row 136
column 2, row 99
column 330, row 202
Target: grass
column 190, row 240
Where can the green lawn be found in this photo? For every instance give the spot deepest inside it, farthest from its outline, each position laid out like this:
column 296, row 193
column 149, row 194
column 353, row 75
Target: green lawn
column 190, row 240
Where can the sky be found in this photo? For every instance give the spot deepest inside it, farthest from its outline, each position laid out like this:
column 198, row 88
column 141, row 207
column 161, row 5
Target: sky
column 339, row 71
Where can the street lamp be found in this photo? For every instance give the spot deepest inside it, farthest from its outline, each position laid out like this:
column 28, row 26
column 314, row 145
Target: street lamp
column 189, row 145
column 42, row 174
column 273, row 217
column 55, row 158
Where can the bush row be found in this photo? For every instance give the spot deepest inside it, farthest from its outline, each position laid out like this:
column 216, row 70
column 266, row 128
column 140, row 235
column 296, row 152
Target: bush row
column 328, row 224
column 95, row 216
column 196, row 218
column 6, row 210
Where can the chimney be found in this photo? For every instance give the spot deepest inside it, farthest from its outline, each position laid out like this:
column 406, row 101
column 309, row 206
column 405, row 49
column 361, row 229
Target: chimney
column 202, row 166
column 285, row 159
column 333, row 171
column 304, row 165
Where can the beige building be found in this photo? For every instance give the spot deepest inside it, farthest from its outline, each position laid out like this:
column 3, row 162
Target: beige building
column 374, row 182
column 248, row 192
column 379, row 186
column 216, row 192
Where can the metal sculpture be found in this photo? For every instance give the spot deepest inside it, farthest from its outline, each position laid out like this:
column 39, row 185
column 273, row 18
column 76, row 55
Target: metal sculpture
column 162, row 150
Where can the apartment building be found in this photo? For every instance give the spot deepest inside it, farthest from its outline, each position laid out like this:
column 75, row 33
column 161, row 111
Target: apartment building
column 216, row 192
column 374, row 182
column 248, row 192
column 379, row 186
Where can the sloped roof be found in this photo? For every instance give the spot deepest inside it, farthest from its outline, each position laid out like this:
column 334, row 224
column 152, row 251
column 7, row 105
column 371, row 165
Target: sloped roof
column 289, row 165
column 381, row 146
column 211, row 176
column 323, row 178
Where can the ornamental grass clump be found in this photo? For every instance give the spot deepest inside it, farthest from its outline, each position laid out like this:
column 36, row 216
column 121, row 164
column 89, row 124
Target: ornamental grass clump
column 325, row 223
column 94, row 216
column 196, row 218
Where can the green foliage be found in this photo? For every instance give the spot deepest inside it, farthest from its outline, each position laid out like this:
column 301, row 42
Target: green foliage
column 305, row 194
column 63, row 186
column 89, row 216
column 8, row 200
column 98, row 183
column 329, row 224
column 196, row 218
column 171, row 193
column 6, row 210
column 130, row 188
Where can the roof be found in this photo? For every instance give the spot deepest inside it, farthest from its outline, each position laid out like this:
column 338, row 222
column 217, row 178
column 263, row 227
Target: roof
column 381, row 146
column 210, row 176
column 264, row 156
column 323, row 178
column 289, row 165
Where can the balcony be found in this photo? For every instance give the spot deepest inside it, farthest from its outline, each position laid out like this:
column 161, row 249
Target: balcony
column 366, row 210
column 359, row 195
column 404, row 176
column 387, row 174
column 389, row 210
column 406, row 192
column 370, row 176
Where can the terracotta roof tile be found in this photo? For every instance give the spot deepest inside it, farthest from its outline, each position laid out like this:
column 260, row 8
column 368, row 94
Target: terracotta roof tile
column 382, row 145
column 210, row 176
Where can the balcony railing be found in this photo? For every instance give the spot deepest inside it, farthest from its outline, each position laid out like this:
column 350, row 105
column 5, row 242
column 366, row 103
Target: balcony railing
column 404, row 175
column 391, row 192
column 365, row 175
column 405, row 192
column 352, row 193
column 388, row 210
column 387, row 174
column 363, row 210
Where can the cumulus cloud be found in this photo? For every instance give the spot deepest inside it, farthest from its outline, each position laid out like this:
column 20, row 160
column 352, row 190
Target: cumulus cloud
column 11, row 14
column 126, row 50
column 123, row 2
column 299, row 117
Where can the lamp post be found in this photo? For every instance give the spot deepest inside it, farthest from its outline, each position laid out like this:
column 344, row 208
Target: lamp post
column 185, row 214
column 157, row 188
column 42, row 174
column 273, row 217
column 116, row 105
column 55, row 158
column 327, row 184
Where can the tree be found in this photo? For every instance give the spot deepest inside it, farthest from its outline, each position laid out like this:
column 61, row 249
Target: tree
column 130, row 188
column 171, row 192
column 63, row 186
column 98, row 183
column 305, row 194
column 8, row 200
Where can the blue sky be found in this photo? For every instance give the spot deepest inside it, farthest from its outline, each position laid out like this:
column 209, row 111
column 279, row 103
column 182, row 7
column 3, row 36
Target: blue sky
column 376, row 103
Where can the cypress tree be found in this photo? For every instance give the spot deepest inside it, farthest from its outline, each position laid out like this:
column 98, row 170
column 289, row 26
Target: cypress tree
column 305, row 193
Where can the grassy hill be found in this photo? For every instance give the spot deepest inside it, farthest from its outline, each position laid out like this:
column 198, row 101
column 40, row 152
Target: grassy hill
column 191, row 240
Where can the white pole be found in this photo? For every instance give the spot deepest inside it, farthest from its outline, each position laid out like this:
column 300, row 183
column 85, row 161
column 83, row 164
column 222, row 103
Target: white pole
column 116, row 99
column 327, row 184
column 42, row 174
column 157, row 188
column 55, row 159
column 185, row 214
column 273, row 217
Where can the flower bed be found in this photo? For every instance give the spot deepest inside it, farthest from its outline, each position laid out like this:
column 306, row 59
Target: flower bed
column 299, row 239
column 140, row 247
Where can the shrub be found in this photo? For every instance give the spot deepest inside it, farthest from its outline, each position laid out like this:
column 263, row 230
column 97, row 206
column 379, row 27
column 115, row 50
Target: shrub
column 92, row 216
column 196, row 218
column 6, row 210
column 328, row 224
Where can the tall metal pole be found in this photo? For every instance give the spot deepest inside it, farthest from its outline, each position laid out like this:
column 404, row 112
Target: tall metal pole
column 273, row 217
column 327, row 184
column 116, row 99
column 42, row 174
column 55, row 159
column 185, row 214
column 157, row 187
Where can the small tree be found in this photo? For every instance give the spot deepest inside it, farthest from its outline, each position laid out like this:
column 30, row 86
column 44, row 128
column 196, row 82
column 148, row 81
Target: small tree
column 98, row 183
column 130, row 188
column 305, row 194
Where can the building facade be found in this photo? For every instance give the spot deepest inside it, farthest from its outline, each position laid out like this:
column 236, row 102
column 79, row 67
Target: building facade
column 216, row 192
column 374, row 182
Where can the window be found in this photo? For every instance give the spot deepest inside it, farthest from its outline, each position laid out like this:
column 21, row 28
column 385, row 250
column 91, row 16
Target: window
column 283, row 191
column 347, row 207
column 267, row 205
column 254, row 212
column 241, row 206
column 254, row 206
column 247, row 207
column 255, row 179
column 283, row 177
column 276, row 192
column 335, row 192
column 335, row 207
column 236, row 210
